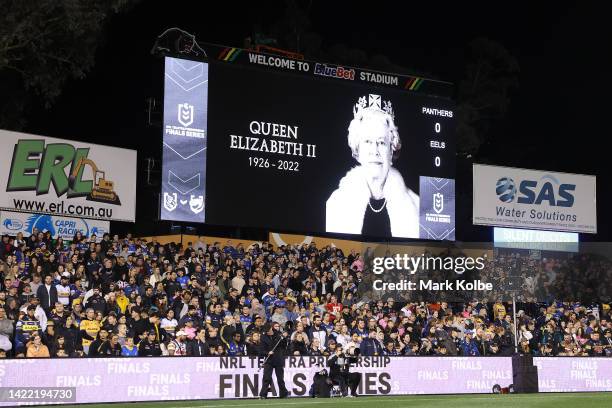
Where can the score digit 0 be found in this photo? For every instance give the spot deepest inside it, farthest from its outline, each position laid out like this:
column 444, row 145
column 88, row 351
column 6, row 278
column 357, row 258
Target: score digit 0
column 437, row 161
column 437, row 127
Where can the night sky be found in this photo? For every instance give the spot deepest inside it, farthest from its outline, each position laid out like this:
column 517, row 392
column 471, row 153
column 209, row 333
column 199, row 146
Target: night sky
column 557, row 120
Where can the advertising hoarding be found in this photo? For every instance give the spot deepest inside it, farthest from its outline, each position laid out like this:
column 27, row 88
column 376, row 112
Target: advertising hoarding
column 45, row 175
column 520, row 198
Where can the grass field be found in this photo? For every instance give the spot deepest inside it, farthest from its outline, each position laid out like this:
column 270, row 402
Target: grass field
column 561, row 400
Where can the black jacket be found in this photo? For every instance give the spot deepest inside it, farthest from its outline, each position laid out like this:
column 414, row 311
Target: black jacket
column 337, row 370
column 147, row 349
column 298, row 346
column 256, row 349
column 47, row 298
column 72, row 339
column 197, row 348
column 137, row 327
column 278, row 358
column 95, row 348
column 107, row 350
column 97, row 303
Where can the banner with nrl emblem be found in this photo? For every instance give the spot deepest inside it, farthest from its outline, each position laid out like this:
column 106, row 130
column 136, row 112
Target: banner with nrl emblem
column 437, row 209
column 184, row 140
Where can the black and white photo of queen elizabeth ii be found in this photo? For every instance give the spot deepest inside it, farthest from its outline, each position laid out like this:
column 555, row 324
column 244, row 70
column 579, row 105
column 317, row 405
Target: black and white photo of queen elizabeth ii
column 372, row 198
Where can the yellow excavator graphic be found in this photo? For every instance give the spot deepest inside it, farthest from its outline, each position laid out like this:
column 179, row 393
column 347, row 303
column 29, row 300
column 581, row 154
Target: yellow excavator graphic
column 103, row 190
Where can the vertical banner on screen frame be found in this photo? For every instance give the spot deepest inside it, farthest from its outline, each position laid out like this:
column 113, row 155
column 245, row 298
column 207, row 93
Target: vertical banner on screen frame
column 183, row 192
column 437, row 212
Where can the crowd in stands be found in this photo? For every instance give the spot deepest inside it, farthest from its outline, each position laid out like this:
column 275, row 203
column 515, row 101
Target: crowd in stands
column 127, row 297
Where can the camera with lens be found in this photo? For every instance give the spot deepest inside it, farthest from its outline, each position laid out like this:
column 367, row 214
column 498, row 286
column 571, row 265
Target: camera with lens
column 353, row 352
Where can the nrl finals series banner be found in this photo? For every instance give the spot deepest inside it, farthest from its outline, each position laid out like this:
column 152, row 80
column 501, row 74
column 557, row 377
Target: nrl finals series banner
column 59, row 177
column 185, row 378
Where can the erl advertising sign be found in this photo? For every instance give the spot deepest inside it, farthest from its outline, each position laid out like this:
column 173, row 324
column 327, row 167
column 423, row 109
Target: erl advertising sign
column 46, row 175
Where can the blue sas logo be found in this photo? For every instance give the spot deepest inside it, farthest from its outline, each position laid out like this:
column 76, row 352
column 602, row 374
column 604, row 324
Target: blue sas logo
column 548, row 189
column 505, row 189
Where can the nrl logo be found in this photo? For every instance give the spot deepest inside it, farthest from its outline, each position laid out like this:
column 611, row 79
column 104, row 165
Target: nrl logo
column 438, row 202
column 185, row 114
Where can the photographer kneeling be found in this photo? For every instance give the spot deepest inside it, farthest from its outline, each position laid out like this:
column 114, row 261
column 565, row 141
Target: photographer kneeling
column 339, row 365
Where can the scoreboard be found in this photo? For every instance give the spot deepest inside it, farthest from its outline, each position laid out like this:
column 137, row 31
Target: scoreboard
column 260, row 140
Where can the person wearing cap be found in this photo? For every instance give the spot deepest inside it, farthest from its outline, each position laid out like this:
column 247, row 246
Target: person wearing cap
column 256, row 325
column 179, row 343
column 607, row 342
column 150, row 347
column 278, row 313
column 190, row 329
column 95, row 300
column 469, row 347
column 26, row 293
column 63, row 289
column 274, row 346
column 39, row 312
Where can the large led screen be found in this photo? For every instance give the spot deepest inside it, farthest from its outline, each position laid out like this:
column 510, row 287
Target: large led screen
column 315, row 149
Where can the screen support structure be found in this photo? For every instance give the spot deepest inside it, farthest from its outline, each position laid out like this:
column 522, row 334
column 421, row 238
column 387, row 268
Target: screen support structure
column 514, row 322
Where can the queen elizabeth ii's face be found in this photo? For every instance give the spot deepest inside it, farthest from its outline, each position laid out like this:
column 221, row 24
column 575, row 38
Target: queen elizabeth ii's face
column 374, row 150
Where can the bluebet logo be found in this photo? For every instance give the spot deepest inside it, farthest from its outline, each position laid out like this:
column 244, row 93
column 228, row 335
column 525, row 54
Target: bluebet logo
column 334, row 72
column 548, row 189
